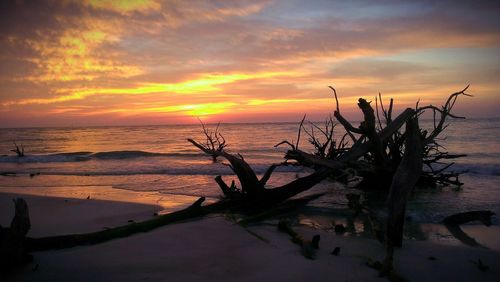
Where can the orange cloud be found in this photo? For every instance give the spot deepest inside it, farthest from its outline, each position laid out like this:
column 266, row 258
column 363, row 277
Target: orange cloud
column 239, row 58
column 204, row 83
column 125, row 7
column 76, row 54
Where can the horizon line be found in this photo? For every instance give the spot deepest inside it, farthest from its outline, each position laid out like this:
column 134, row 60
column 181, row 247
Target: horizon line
column 209, row 123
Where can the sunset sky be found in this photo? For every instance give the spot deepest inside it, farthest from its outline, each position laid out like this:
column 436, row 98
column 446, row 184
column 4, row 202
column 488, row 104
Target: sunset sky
column 67, row 63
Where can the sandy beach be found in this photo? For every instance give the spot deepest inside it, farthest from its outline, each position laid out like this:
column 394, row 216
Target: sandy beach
column 214, row 248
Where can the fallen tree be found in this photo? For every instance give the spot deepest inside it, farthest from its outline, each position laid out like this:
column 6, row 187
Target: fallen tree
column 253, row 190
column 386, row 157
column 378, row 145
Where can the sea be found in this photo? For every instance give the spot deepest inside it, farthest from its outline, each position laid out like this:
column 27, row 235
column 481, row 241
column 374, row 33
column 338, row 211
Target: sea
column 160, row 159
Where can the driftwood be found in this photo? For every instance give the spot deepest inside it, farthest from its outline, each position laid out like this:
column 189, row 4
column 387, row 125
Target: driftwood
column 385, row 157
column 279, row 210
column 196, row 210
column 358, row 149
column 213, row 139
column 372, row 223
column 404, row 181
column 72, row 240
column 308, row 247
column 465, row 217
column 13, row 251
column 19, row 151
column 252, row 189
column 326, row 146
column 453, row 222
column 378, row 145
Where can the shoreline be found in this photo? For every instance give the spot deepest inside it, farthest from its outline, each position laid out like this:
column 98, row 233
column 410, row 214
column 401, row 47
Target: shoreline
column 214, row 248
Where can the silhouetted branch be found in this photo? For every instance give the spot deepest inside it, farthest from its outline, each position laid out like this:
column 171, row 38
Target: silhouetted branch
column 18, row 151
column 348, row 127
column 214, row 139
column 72, row 240
column 253, row 189
column 445, row 112
column 298, row 134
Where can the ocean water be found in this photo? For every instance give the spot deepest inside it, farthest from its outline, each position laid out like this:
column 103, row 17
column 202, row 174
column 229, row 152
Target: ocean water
column 159, row 158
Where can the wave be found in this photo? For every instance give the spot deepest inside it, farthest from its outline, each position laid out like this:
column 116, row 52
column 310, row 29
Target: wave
column 124, row 154
column 211, row 169
column 478, row 169
column 492, row 169
column 86, row 156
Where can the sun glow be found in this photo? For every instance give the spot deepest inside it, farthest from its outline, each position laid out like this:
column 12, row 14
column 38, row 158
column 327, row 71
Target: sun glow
column 147, row 61
column 203, row 84
column 196, row 109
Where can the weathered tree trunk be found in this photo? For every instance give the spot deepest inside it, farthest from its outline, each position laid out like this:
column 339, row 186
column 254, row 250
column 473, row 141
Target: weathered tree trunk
column 12, row 240
column 246, row 175
column 368, row 128
column 252, row 189
column 403, row 182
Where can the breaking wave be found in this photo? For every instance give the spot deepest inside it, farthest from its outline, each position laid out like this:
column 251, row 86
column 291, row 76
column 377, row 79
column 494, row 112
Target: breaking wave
column 86, row 156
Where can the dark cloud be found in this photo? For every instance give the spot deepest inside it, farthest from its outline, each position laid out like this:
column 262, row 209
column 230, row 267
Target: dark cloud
column 27, row 19
column 52, row 48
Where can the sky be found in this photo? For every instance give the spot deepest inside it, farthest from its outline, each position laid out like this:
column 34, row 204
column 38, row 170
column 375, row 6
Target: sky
column 91, row 62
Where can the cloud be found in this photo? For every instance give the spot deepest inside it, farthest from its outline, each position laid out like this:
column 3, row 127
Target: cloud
column 125, row 7
column 202, row 84
column 77, row 57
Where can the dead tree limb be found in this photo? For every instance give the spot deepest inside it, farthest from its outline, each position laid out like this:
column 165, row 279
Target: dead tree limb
column 378, row 152
column 69, row 241
column 325, row 145
column 263, row 180
column 308, row 247
column 444, row 112
column 465, row 217
column 230, row 192
column 247, row 177
column 296, row 145
column 369, row 130
column 214, row 139
column 348, row 126
column 453, row 222
column 19, row 151
column 355, row 152
column 438, row 173
column 252, row 189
